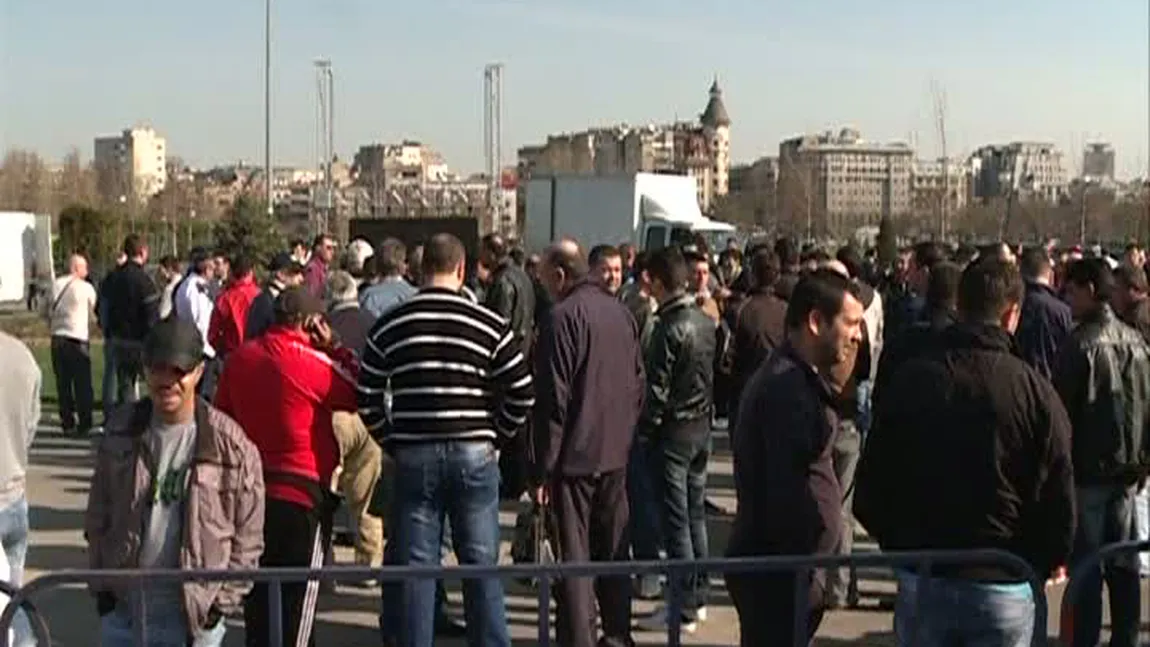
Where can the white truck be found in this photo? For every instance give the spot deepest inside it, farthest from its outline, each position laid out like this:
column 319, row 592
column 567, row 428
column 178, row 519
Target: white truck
column 648, row 210
column 25, row 254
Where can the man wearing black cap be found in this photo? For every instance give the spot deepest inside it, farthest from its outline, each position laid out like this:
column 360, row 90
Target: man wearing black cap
column 202, row 488
column 286, row 272
column 301, row 379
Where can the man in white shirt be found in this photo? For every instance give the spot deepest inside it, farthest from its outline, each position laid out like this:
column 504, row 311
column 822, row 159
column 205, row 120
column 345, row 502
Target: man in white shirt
column 193, row 302
column 19, row 417
column 70, row 313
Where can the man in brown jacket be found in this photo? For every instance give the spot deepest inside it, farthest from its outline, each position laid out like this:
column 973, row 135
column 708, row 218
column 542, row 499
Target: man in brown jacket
column 177, row 485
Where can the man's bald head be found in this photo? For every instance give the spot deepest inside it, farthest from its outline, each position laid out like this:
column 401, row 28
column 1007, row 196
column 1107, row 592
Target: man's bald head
column 563, row 266
column 78, row 266
column 836, row 266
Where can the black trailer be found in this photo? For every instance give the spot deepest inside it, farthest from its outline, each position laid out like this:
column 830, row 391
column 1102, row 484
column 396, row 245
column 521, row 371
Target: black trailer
column 416, row 231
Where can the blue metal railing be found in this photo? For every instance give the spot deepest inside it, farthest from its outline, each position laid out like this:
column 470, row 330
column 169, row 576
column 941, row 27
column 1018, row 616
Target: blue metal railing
column 1082, row 570
column 919, row 562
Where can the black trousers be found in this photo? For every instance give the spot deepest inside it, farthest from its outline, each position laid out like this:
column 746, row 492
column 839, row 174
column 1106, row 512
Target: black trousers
column 765, row 604
column 293, row 536
column 72, row 364
column 591, row 517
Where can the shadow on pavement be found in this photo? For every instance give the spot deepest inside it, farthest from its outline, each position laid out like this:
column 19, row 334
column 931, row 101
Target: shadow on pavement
column 871, row 639
column 46, row 518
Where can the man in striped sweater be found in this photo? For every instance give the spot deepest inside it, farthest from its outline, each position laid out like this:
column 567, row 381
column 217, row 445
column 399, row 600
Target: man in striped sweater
column 442, row 386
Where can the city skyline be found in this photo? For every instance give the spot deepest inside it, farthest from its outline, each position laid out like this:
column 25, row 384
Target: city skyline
column 1040, row 71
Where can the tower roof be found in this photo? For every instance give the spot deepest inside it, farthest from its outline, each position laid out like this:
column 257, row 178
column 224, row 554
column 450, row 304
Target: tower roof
column 715, row 114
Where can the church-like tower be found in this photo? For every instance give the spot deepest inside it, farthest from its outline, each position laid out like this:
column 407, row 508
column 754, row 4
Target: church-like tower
column 717, row 127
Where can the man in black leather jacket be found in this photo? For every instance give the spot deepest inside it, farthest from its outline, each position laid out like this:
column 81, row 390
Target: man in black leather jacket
column 676, row 422
column 510, row 294
column 1103, row 376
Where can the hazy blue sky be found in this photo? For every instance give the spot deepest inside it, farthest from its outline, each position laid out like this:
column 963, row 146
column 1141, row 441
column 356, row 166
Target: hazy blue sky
column 1057, row 70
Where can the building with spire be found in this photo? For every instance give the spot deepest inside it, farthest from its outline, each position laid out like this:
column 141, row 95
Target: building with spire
column 700, row 149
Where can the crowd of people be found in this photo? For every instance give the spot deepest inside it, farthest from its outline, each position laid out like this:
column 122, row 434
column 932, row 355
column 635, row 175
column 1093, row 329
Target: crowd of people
column 954, row 399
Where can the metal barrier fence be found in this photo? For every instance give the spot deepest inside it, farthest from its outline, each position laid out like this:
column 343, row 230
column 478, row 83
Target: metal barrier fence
column 919, row 562
column 1082, row 571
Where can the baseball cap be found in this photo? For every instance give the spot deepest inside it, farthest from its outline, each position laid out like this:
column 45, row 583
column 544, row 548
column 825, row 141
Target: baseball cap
column 176, row 343
column 283, row 262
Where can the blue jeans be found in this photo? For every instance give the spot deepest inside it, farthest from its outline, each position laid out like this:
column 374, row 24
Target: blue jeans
column 165, row 628
column 14, row 538
column 646, row 537
column 681, row 481
column 1106, row 516
column 457, row 481
column 391, row 591
column 959, row 612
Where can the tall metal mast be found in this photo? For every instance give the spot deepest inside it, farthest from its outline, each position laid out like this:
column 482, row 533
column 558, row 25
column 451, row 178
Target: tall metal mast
column 324, row 196
column 493, row 140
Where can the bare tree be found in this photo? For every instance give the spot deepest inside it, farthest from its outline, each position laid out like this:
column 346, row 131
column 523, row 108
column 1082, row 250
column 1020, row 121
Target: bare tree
column 25, row 182
column 75, row 182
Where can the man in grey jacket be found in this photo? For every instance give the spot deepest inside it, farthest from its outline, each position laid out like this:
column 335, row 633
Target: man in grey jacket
column 19, row 416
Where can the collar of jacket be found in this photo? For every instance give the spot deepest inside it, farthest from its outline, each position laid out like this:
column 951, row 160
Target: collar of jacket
column 206, row 450
column 243, row 281
column 1103, row 316
column 980, row 337
column 586, row 284
column 674, row 303
column 817, row 382
column 1032, row 285
column 350, row 304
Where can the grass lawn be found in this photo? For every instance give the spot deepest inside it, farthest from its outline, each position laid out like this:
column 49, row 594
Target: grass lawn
column 48, row 393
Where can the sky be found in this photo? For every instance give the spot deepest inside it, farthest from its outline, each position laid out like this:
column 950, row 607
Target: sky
column 1046, row 70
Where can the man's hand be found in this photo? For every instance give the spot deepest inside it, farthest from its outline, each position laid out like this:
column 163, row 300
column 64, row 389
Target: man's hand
column 542, row 495
column 320, row 333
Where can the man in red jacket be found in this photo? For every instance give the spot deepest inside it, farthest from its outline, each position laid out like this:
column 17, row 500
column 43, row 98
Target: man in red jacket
column 230, row 316
column 283, row 388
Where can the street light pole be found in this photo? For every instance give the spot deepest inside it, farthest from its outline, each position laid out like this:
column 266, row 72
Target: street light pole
column 268, row 104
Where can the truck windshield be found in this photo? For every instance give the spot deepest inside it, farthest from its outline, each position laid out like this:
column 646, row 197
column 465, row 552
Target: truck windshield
column 681, row 236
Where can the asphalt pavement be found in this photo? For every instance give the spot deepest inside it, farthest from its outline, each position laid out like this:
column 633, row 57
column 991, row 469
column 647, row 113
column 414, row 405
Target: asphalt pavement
column 58, row 486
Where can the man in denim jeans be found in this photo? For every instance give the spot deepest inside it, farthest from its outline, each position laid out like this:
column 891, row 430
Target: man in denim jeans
column 970, row 449
column 1103, row 376
column 20, row 410
column 441, row 384
column 676, row 424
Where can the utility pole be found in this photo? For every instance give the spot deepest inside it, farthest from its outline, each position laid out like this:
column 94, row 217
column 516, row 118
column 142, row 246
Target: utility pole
column 493, row 139
column 323, row 199
column 940, row 124
column 268, row 104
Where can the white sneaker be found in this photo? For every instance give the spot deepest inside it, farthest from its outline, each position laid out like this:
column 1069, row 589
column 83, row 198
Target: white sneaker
column 658, row 621
column 701, row 614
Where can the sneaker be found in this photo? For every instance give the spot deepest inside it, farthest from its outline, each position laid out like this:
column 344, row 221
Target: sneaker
column 701, row 614
column 658, row 621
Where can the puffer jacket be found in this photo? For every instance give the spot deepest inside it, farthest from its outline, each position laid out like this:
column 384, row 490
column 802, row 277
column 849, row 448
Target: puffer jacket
column 224, row 522
column 1103, row 377
column 680, row 367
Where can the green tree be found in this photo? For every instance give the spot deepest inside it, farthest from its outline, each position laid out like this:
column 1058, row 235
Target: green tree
column 248, row 230
column 88, row 231
column 887, row 242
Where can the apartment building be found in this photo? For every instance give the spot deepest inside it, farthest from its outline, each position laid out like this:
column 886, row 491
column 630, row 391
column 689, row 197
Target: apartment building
column 832, row 183
column 700, row 149
column 929, row 183
column 1033, row 169
column 1098, row 162
column 131, row 165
